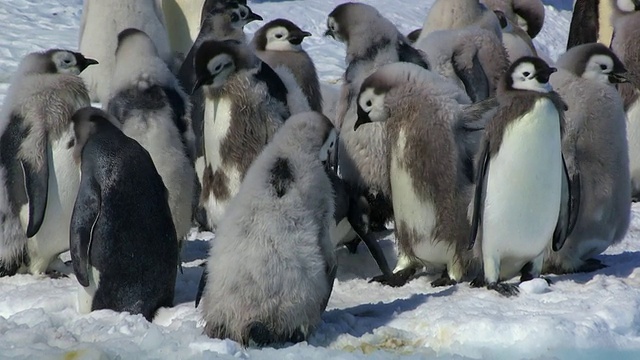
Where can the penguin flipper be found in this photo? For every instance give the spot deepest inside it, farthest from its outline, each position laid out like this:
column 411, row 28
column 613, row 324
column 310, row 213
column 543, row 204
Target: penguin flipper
column 584, row 24
column 569, row 206
column 36, row 181
column 201, row 284
column 479, row 195
column 86, row 212
column 473, row 77
column 356, row 219
column 407, row 53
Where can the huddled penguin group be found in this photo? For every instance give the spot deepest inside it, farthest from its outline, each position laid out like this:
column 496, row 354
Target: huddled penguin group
column 488, row 161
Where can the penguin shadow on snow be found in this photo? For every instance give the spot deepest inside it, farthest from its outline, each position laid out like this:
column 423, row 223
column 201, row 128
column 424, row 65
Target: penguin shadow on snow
column 619, row 265
column 363, row 319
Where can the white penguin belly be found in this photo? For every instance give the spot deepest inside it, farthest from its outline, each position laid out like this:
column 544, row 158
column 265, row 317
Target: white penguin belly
column 633, row 137
column 217, row 121
column 86, row 294
column 417, row 215
column 523, row 190
column 342, row 232
column 53, row 236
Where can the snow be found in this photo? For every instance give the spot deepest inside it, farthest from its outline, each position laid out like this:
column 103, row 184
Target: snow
column 583, row 316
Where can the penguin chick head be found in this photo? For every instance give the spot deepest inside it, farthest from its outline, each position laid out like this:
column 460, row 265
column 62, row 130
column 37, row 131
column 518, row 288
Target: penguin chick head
column 370, row 102
column 309, row 132
column 280, row 35
column 132, row 40
column 628, row 5
column 594, row 61
column 347, row 17
column 88, row 121
column 241, row 15
column 215, row 61
column 529, row 73
column 55, row 61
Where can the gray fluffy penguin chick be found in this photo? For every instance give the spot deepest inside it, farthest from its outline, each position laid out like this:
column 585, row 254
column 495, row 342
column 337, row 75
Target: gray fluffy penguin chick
column 524, row 197
column 279, row 43
column 595, row 140
column 372, row 41
column 38, row 177
column 459, row 14
column 626, row 33
column 122, row 240
column 430, row 189
column 154, row 110
column 515, row 40
column 102, row 21
column 272, row 265
column 526, row 14
column 243, row 110
column 473, row 57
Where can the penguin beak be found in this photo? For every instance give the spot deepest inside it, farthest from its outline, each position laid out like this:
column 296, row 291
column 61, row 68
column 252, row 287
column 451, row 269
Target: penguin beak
column 363, row 118
column 617, row 78
column 544, row 74
column 83, row 62
column 253, row 16
column 199, row 83
column 297, row 37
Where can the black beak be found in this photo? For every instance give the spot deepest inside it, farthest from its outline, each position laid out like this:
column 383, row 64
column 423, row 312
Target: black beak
column 253, row 16
column 199, row 83
column 297, row 37
column 617, row 78
column 363, row 118
column 84, row 62
column 329, row 32
column 544, row 74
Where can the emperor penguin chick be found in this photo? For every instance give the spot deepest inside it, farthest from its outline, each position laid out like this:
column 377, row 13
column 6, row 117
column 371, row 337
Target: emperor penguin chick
column 430, row 192
column 272, row 265
column 123, row 242
column 279, row 43
column 522, row 199
column 38, row 177
column 595, row 144
column 101, row 23
column 242, row 112
column 459, row 14
column 625, row 44
column 528, row 15
column 515, row 40
column 154, row 110
column 372, row 41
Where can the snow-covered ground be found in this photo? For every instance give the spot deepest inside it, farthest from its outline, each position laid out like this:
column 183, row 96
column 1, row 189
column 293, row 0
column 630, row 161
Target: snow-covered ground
column 585, row 316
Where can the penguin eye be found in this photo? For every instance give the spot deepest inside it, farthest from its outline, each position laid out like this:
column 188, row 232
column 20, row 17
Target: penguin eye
column 526, row 73
column 243, row 14
column 368, row 103
column 278, row 36
column 603, row 67
column 234, row 17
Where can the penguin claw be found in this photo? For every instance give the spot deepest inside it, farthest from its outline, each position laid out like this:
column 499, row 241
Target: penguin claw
column 478, row 282
column 444, row 280
column 504, row 289
column 395, row 280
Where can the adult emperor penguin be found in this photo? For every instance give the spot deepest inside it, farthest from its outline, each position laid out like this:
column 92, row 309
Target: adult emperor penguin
column 522, row 199
column 154, row 110
column 459, row 14
column 625, row 44
column 38, row 177
column 595, row 141
column 472, row 57
column 272, row 266
column 591, row 22
column 122, row 239
column 243, row 109
column 515, row 40
column 429, row 187
column 372, row 41
column 101, row 23
column 279, row 43
column 526, row 14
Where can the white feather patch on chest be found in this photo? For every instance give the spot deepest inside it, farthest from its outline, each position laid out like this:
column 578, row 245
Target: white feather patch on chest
column 633, row 137
column 416, row 214
column 523, row 189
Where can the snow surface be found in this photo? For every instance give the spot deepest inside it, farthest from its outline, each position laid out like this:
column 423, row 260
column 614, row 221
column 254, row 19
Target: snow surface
column 584, row 316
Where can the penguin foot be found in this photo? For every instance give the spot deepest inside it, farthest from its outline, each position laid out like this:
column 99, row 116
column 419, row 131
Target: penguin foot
column 396, row 279
column 445, row 280
column 504, row 289
column 9, row 270
column 352, row 246
column 591, row 265
column 55, row 274
column 260, row 334
column 478, row 282
column 296, row 337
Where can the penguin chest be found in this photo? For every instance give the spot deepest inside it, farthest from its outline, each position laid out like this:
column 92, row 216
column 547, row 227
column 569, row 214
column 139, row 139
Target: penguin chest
column 415, row 216
column 633, row 136
column 524, row 186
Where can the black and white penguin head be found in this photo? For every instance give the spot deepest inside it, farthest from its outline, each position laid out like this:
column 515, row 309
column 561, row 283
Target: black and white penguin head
column 242, row 15
column 628, row 6
column 358, row 19
column 215, row 61
column 280, row 35
column 230, row 13
column 529, row 73
column 594, row 61
column 132, row 40
column 86, row 122
column 55, row 61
